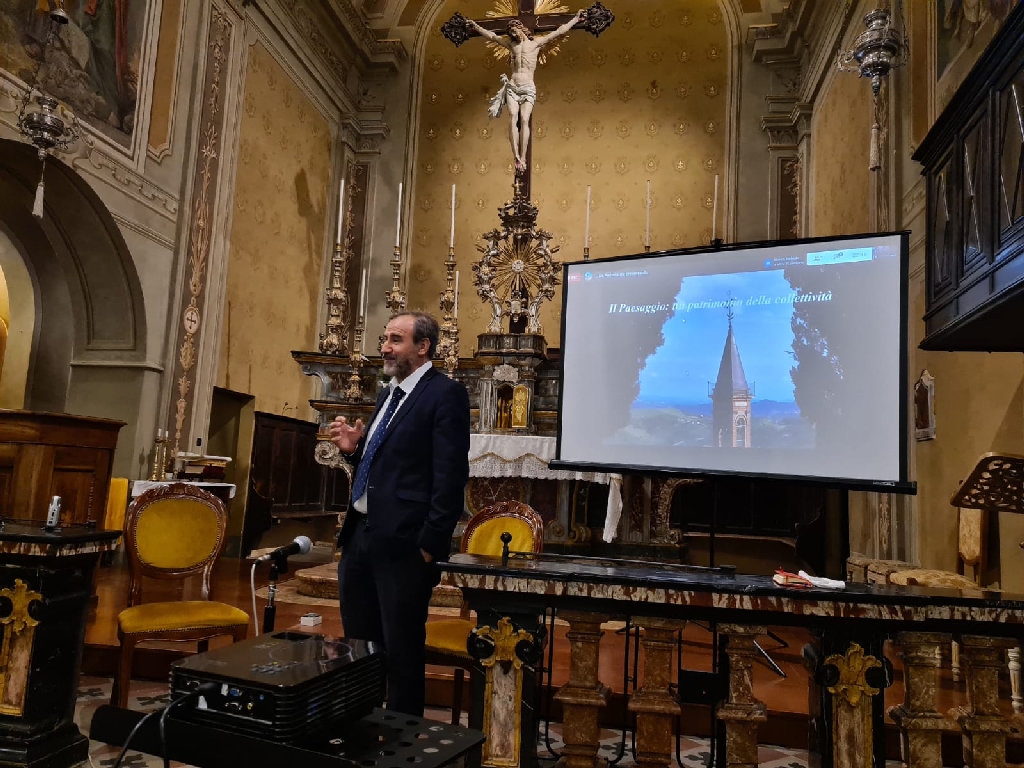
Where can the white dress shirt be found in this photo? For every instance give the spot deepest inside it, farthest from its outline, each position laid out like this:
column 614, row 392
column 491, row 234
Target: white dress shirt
column 408, row 384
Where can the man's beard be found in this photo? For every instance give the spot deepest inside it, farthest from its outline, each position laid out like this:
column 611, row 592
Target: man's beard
column 399, row 367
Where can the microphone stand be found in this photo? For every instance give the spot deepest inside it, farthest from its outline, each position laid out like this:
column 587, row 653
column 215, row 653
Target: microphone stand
column 278, row 566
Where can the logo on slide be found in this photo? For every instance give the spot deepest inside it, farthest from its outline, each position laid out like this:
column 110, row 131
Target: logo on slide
column 767, row 262
column 588, row 275
column 574, row 277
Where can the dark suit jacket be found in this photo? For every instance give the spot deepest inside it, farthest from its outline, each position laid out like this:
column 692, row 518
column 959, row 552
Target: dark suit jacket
column 416, row 488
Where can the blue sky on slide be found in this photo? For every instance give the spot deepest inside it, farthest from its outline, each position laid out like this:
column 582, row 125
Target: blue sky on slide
column 680, row 370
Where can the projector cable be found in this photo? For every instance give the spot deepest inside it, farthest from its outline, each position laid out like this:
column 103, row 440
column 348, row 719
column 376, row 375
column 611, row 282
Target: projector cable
column 202, row 690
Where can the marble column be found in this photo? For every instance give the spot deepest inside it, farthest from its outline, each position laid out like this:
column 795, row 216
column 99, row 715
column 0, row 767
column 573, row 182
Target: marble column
column 741, row 713
column 1016, row 697
column 984, row 728
column 921, row 725
column 655, row 707
column 583, row 696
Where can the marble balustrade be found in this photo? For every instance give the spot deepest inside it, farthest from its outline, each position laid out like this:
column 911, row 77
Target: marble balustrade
column 850, row 671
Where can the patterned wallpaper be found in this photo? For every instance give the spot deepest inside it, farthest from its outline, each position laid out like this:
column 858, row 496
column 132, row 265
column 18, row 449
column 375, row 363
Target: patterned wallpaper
column 646, row 100
column 839, row 158
column 277, row 240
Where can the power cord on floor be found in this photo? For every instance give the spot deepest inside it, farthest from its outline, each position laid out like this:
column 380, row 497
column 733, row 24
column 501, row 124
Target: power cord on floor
column 252, row 586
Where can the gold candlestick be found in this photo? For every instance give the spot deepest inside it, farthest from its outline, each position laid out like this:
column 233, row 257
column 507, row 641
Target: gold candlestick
column 334, row 341
column 157, row 470
column 448, row 341
column 395, row 298
column 354, row 391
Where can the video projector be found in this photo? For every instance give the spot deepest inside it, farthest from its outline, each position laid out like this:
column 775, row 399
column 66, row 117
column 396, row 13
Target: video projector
column 284, row 686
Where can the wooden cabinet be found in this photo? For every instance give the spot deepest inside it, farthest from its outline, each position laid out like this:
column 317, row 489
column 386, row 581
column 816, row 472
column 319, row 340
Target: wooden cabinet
column 54, row 454
column 285, row 480
column 974, row 168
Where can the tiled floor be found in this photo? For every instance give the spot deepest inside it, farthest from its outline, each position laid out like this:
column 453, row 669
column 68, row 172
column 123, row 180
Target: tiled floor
column 95, row 691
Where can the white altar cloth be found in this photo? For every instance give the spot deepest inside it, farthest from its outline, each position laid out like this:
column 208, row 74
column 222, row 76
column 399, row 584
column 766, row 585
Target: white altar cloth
column 528, row 456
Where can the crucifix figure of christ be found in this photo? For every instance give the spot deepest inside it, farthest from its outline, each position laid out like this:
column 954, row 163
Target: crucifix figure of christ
column 518, row 93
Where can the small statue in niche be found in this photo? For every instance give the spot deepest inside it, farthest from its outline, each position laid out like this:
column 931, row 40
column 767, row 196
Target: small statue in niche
column 520, row 407
column 924, row 407
column 503, row 408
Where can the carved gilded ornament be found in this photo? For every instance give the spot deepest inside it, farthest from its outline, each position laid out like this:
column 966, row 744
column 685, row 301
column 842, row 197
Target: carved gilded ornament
column 505, row 639
column 651, row 163
column 713, row 52
column 625, row 92
column 621, row 166
column 623, row 129
column 16, row 651
column 627, row 57
column 682, row 90
column 656, row 19
column 596, row 129
column 681, row 164
column 854, row 692
column 652, row 128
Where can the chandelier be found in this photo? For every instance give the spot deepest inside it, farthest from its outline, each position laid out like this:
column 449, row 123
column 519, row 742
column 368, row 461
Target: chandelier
column 42, row 121
column 877, row 51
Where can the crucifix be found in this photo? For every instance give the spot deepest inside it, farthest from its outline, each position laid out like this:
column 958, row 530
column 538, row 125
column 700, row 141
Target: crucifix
column 525, row 42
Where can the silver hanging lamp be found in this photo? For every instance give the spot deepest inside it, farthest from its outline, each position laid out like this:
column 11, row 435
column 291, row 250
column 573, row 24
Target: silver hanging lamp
column 42, row 121
column 877, row 51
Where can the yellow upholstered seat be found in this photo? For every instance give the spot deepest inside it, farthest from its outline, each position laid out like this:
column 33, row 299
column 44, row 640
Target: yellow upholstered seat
column 171, row 532
column 447, row 640
column 117, row 503
column 190, row 614
column 449, row 636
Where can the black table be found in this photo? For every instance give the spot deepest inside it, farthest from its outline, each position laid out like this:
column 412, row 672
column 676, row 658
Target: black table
column 46, row 581
column 380, row 740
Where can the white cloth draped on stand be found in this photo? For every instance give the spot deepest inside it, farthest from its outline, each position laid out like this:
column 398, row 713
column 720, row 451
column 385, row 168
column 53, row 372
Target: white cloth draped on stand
column 528, row 456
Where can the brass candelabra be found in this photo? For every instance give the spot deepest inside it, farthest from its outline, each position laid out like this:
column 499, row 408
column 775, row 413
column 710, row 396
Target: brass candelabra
column 354, row 391
column 448, row 342
column 394, row 298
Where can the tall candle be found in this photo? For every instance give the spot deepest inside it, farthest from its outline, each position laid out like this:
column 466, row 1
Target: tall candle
column 362, row 296
column 341, row 208
column 398, row 225
column 714, row 211
column 451, row 240
column 456, row 311
column 647, row 234
column 586, row 231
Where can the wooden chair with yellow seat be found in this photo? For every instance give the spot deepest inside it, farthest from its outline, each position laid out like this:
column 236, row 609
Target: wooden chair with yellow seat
column 447, row 639
column 173, row 532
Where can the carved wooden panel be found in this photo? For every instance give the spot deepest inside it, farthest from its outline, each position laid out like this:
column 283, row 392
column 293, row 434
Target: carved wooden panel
column 973, row 203
column 940, row 224
column 1011, row 158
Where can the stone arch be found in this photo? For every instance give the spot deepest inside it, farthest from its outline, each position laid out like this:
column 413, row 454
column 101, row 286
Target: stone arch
column 90, row 315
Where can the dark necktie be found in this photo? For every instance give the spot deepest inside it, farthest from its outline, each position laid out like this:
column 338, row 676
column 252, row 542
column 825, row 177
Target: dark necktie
column 363, row 470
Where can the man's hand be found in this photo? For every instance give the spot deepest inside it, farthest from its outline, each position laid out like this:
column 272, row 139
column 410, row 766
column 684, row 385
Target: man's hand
column 346, row 436
column 427, row 557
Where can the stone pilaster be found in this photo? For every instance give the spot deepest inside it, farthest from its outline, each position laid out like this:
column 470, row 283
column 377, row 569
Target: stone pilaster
column 984, row 728
column 921, row 725
column 583, row 695
column 741, row 712
column 655, row 707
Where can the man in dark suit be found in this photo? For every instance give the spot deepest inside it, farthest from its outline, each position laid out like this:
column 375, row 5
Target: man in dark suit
column 411, row 469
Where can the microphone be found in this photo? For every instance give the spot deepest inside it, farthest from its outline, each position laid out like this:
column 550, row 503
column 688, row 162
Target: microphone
column 300, row 546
